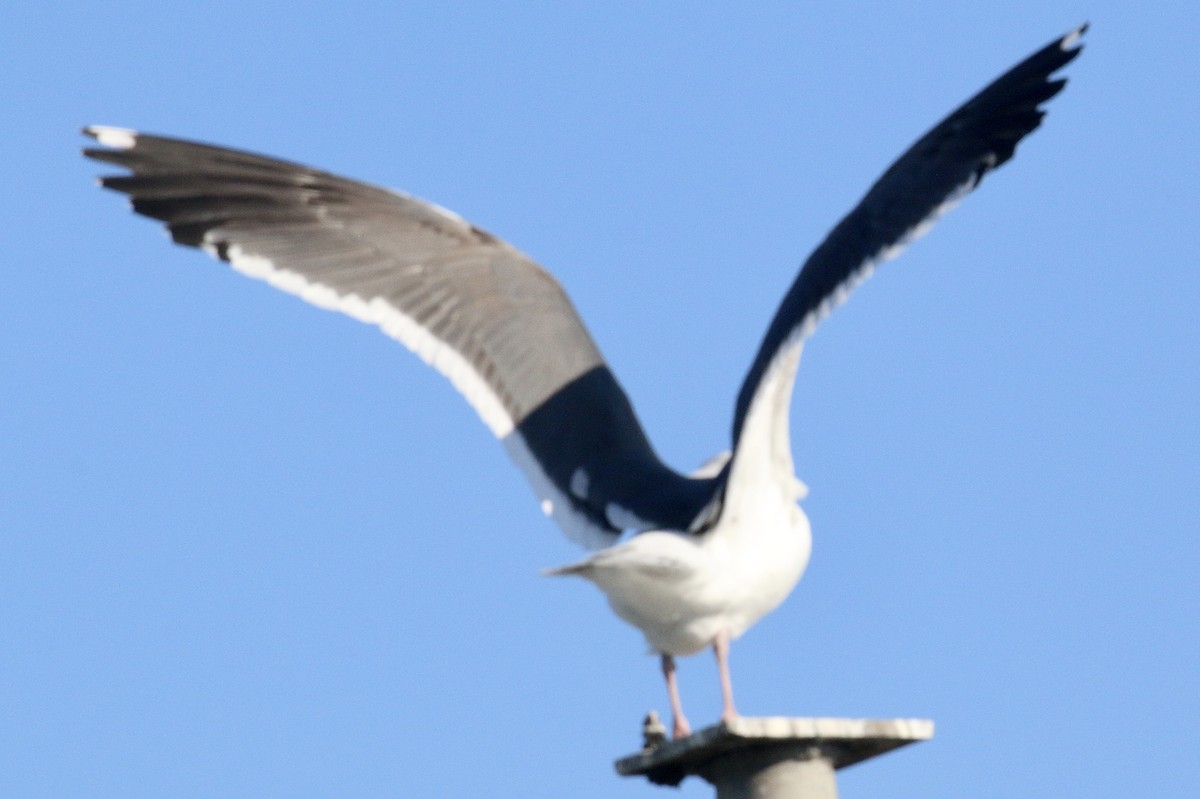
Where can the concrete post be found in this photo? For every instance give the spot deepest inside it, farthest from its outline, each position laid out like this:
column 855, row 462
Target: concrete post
column 770, row 758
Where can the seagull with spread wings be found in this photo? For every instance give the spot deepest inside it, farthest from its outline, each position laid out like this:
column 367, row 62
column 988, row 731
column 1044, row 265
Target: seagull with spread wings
column 711, row 552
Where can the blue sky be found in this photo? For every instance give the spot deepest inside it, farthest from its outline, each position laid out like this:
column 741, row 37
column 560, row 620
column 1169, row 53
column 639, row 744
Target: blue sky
column 251, row 548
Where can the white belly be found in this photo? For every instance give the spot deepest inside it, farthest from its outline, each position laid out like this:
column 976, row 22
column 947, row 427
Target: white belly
column 680, row 591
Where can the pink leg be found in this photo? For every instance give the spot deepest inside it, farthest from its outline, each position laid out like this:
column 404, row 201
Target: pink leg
column 721, row 650
column 681, row 729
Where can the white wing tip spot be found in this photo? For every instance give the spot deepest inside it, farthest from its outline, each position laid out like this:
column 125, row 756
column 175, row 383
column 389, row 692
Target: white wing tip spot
column 547, row 507
column 1071, row 39
column 118, row 138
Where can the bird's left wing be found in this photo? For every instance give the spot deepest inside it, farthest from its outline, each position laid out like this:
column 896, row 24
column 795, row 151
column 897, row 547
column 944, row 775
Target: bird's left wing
column 476, row 309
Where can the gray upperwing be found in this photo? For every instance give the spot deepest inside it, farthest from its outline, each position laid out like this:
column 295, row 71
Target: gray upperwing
column 482, row 313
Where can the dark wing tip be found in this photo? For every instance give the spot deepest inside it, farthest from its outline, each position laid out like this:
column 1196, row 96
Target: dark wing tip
column 1009, row 108
column 1068, row 48
column 950, row 160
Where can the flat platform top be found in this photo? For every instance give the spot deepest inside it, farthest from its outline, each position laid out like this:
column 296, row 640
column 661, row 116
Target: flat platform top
column 844, row 741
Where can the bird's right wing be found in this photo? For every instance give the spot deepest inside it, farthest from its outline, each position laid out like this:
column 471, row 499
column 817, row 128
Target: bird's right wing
column 941, row 168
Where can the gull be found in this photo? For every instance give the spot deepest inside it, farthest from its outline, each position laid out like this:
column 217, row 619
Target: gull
column 691, row 560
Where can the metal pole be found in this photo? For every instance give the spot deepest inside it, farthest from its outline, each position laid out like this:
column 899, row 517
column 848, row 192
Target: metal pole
column 782, row 770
